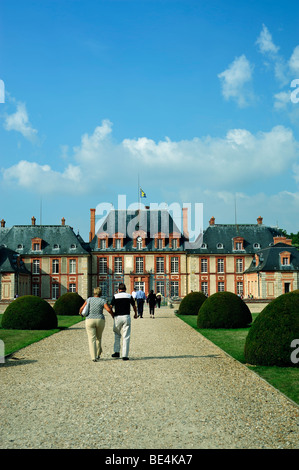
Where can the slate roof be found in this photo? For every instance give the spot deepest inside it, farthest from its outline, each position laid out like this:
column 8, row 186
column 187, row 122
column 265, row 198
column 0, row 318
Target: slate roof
column 127, row 222
column 19, row 239
column 269, row 259
column 255, row 236
column 9, row 262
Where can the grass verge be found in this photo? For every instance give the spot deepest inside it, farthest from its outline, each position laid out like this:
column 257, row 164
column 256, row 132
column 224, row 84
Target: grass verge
column 232, row 341
column 18, row 339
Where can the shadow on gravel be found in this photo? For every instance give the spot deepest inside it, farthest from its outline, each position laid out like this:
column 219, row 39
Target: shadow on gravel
column 15, row 361
column 146, row 358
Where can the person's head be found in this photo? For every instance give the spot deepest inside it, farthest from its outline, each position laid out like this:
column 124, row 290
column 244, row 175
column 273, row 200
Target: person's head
column 152, row 291
column 97, row 292
column 122, row 287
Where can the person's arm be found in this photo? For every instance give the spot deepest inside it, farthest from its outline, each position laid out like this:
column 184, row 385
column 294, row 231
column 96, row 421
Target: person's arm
column 109, row 310
column 81, row 308
column 134, row 307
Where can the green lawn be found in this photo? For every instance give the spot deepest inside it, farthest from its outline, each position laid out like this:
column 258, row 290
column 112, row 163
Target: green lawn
column 232, row 341
column 18, row 339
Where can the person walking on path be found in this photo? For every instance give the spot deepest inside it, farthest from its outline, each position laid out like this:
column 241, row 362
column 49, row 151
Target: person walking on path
column 140, row 297
column 95, row 322
column 152, row 300
column 159, row 297
column 122, row 303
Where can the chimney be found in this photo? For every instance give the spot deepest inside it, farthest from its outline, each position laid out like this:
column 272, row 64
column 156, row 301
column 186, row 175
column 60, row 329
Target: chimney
column 2, row 223
column 92, row 224
column 285, row 240
column 63, row 221
column 33, row 219
column 260, row 220
column 185, row 222
column 212, row 221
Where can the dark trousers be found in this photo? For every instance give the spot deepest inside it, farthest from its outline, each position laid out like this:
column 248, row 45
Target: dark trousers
column 140, row 303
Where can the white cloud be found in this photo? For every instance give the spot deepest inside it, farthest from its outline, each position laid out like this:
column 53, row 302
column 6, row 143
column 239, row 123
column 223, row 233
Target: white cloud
column 209, row 162
column 265, row 42
column 282, row 99
column 42, row 179
column 294, row 61
column 234, row 79
column 19, row 122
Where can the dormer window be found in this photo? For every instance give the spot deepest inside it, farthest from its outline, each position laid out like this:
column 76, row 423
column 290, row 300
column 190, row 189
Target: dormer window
column 20, row 247
column 285, row 258
column 256, row 246
column 117, row 244
column 238, row 243
column 219, row 246
column 117, row 240
column 204, row 246
column 36, row 244
column 160, row 241
column 55, row 247
column 73, row 246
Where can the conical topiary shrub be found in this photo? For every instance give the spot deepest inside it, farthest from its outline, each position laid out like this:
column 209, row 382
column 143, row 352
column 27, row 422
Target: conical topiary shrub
column 191, row 303
column 29, row 313
column 68, row 304
column 224, row 310
column 269, row 339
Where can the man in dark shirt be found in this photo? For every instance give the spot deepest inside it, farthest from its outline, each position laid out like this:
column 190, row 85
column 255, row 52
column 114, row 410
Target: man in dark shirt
column 122, row 303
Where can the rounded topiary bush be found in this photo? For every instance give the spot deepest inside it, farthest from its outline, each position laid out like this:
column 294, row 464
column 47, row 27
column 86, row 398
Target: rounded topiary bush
column 68, row 304
column 224, row 310
column 191, row 303
column 29, row 313
column 271, row 334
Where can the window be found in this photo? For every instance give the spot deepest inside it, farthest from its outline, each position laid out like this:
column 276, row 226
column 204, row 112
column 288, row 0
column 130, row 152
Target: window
column 240, row 288
column 73, row 246
column 139, row 243
column 73, row 266
column 118, row 265
column 20, row 247
column 161, row 288
column 256, row 245
column 139, row 265
column 239, row 265
column 219, row 246
column 285, row 260
column 204, row 246
column 139, row 286
column 103, row 244
column 174, row 288
column 36, row 246
column 160, row 265
column 159, row 244
column 55, row 290
column 104, row 286
column 72, row 287
column 55, row 266
column 204, row 287
column 35, row 290
column 35, row 266
column 220, row 286
column 103, row 266
column 117, row 244
column 174, row 264
column 204, row 265
column 220, row 265
column 174, row 244
column 55, row 247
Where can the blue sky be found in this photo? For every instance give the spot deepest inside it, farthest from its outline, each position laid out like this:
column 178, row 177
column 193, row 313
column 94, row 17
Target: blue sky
column 194, row 97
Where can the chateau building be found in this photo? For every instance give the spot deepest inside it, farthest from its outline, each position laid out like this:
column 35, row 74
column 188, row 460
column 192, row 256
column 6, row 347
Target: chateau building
column 145, row 249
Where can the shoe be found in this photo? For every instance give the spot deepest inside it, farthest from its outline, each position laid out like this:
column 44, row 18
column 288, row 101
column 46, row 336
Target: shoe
column 125, row 358
column 115, row 354
column 94, row 360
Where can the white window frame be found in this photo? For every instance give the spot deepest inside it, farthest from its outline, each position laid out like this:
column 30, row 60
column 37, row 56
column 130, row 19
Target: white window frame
column 160, row 265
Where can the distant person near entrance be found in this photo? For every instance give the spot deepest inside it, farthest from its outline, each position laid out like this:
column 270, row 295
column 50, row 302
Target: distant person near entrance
column 140, row 298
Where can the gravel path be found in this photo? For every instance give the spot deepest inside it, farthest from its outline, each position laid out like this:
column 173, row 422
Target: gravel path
column 177, row 391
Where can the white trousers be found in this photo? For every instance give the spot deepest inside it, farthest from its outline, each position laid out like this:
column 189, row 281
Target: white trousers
column 122, row 326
